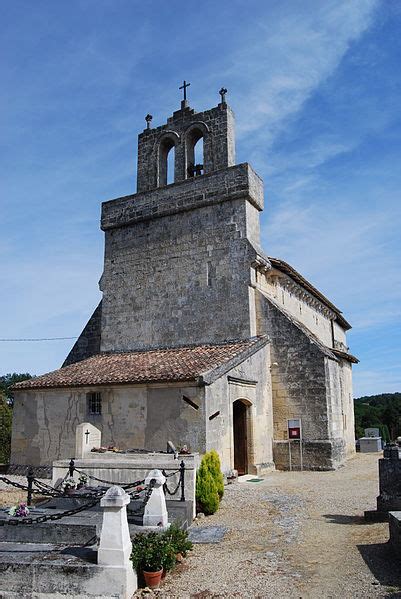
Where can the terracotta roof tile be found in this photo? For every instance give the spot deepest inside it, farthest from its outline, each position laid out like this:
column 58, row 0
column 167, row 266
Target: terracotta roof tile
column 158, row 365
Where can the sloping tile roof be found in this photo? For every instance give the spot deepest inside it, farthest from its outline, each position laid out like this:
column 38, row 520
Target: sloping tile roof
column 158, row 365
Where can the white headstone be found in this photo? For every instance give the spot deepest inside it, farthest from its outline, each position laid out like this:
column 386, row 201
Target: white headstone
column 372, row 432
column 87, row 436
column 155, row 513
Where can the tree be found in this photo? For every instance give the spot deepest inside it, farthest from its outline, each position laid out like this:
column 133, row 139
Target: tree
column 6, row 414
column 7, row 380
column 207, row 496
column 212, row 461
column 379, row 411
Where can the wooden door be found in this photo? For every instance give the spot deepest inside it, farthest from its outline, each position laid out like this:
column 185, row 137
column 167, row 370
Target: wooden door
column 240, row 437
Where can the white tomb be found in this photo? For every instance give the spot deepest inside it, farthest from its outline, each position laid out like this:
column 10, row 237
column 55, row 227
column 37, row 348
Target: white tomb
column 87, row 437
column 155, row 514
column 370, row 444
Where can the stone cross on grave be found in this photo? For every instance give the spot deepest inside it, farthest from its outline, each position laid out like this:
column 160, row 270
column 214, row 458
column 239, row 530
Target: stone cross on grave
column 184, row 86
column 87, row 437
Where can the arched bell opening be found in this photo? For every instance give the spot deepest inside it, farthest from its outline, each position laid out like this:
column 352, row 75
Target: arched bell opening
column 194, row 158
column 166, row 161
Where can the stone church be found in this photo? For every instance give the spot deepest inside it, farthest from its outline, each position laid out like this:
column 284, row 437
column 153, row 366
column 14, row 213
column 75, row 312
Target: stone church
column 200, row 337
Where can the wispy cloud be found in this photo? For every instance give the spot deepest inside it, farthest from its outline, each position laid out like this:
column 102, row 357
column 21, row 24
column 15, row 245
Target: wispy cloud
column 292, row 54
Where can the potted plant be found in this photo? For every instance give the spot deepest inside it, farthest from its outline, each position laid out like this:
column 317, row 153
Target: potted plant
column 69, row 485
column 151, row 554
column 178, row 539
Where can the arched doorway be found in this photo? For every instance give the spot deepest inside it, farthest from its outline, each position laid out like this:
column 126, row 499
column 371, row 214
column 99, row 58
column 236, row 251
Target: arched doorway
column 240, row 426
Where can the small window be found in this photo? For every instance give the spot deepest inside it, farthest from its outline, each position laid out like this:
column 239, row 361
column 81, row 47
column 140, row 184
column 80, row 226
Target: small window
column 94, row 403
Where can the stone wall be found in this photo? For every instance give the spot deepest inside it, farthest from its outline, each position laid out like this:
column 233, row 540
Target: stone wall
column 340, row 403
column 300, row 389
column 217, row 128
column 182, row 277
column 250, row 381
column 302, row 306
column 88, row 343
column 44, row 422
column 229, row 184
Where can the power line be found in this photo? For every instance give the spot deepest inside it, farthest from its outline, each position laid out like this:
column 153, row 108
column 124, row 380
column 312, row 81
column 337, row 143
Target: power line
column 41, row 339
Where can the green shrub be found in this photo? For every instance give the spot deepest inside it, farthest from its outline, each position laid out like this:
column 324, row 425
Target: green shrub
column 206, row 491
column 213, row 463
column 152, row 552
column 178, row 538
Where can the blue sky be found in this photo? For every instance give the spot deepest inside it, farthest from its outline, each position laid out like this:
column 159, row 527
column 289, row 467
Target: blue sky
column 315, row 86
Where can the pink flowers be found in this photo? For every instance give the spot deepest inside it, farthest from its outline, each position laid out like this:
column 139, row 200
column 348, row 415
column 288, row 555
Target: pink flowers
column 20, row 510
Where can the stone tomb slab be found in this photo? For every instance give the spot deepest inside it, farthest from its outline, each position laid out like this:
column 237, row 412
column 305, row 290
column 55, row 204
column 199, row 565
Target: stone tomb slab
column 82, row 527
column 48, row 571
column 207, row 534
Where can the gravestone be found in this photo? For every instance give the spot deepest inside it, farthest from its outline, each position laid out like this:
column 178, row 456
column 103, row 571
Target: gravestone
column 389, row 498
column 87, row 436
column 372, row 432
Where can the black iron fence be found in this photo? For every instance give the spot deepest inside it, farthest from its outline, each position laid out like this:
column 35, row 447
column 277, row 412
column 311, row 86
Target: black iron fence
column 180, row 483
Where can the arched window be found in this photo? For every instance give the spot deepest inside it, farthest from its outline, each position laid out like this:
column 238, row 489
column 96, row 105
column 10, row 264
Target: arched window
column 195, row 160
column 166, row 161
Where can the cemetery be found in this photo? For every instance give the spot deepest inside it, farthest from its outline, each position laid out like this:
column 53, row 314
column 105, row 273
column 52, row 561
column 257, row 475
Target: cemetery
column 77, row 541
column 106, row 516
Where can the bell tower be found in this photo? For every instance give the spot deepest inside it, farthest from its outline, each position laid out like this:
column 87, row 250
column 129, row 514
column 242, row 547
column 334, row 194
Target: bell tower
column 181, row 132
column 178, row 255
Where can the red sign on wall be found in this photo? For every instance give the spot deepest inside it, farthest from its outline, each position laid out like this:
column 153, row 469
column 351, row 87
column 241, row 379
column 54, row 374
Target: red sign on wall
column 294, row 433
column 294, row 428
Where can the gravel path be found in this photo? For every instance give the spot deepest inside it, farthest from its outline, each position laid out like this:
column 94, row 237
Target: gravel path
column 298, row 535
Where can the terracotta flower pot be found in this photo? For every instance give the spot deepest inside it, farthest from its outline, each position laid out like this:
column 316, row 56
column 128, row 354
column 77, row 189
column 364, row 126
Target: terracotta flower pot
column 152, row 579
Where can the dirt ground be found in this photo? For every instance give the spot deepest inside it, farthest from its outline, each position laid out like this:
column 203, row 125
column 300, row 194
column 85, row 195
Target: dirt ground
column 8, row 498
column 298, row 535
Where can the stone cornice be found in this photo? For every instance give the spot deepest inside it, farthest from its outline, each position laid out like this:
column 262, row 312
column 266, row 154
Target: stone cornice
column 232, row 183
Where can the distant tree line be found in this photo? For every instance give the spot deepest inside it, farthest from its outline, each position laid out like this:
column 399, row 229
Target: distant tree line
column 379, row 411
column 6, row 402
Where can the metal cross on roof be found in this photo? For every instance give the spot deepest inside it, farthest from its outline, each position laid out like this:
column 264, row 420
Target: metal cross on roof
column 184, row 87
